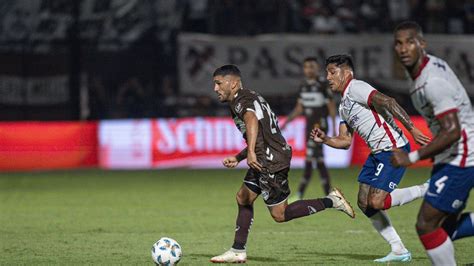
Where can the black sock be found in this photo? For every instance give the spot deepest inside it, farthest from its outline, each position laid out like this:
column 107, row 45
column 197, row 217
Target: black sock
column 303, row 208
column 327, row 203
column 242, row 227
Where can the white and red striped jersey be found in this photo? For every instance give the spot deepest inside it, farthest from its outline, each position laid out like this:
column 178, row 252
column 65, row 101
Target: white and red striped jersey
column 436, row 91
column 379, row 132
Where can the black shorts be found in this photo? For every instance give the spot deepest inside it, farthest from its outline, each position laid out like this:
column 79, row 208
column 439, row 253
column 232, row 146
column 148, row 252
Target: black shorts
column 273, row 187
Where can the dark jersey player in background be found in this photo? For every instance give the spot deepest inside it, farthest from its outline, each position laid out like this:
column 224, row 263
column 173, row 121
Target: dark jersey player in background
column 316, row 102
column 268, row 156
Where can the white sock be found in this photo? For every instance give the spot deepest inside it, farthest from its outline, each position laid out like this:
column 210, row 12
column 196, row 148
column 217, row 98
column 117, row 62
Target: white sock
column 443, row 254
column 382, row 224
column 403, row 196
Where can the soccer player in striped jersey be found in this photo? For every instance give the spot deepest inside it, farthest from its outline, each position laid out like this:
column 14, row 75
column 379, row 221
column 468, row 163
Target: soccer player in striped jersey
column 441, row 99
column 371, row 114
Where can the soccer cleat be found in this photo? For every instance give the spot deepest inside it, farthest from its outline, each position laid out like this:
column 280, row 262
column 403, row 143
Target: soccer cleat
column 340, row 203
column 230, row 256
column 405, row 257
column 294, row 198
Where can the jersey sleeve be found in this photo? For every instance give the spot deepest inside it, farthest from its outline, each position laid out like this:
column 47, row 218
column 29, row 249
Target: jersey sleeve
column 245, row 104
column 362, row 93
column 440, row 94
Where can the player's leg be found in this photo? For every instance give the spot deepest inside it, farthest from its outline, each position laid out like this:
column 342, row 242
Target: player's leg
column 434, row 238
column 437, row 221
column 382, row 224
column 459, row 226
column 282, row 212
column 245, row 197
column 374, row 186
column 322, row 169
column 402, row 196
column 275, row 191
column 387, row 179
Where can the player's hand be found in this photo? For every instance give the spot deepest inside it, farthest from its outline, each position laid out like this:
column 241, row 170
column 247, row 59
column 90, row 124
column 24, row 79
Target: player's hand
column 252, row 161
column 318, row 135
column 419, row 137
column 230, row 162
column 400, row 158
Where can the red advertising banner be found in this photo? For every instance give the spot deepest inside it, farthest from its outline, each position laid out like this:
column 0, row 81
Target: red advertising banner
column 197, row 142
column 361, row 150
column 47, row 145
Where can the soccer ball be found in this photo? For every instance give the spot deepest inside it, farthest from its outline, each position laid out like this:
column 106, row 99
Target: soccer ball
column 166, row 251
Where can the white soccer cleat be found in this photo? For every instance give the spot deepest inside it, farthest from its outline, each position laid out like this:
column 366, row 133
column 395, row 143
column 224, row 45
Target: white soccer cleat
column 340, row 203
column 392, row 257
column 230, row 256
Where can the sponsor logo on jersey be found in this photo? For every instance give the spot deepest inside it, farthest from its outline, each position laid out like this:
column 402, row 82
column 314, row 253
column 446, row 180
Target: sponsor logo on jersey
column 238, row 107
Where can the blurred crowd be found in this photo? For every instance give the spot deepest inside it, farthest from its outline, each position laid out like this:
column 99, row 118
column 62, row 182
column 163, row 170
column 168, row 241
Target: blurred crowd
column 137, row 97
column 326, row 16
column 128, row 49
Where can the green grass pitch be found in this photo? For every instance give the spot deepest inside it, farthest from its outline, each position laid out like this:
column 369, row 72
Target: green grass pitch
column 114, row 217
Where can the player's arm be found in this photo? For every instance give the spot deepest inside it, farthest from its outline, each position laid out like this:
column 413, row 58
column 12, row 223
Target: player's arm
column 251, row 125
column 332, row 113
column 241, row 155
column 298, row 110
column 233, row 161
column 383, row 102
column 449, row 133
column 341, row 141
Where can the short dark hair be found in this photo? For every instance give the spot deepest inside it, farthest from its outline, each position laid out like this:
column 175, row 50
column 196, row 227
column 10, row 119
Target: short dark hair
column 409, row 25
column 340, row 59
column 310, row 59
column 227, row 70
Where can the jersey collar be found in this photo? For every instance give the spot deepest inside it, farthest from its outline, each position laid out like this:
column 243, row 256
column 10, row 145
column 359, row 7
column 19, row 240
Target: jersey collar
column 345, row 86
column 426, row 59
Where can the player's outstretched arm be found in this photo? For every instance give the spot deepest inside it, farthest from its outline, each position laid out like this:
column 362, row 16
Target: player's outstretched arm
column 298, row 110
column 383, row 102
column 449, row 133
column 342, row 141
column 251, row 125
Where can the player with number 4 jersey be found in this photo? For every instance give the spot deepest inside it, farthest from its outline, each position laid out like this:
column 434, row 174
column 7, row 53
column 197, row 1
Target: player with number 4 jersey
column 371, row 114
column 441, row 99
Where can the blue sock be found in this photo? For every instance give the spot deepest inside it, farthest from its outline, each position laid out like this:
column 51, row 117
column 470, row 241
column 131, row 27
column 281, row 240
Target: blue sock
column 464, row 227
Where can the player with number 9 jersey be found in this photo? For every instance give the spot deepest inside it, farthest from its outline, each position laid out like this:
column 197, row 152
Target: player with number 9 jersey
column 370, row 113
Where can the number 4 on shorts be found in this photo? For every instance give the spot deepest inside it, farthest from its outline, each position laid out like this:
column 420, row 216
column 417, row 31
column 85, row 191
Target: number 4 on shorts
column 440, row 184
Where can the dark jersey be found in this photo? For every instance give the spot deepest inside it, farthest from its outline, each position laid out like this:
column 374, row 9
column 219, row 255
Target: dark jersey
column 271, row 148
column 314, row 97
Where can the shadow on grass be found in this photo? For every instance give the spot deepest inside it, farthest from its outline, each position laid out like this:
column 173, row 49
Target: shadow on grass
column 351, row 256
column 253, row 258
